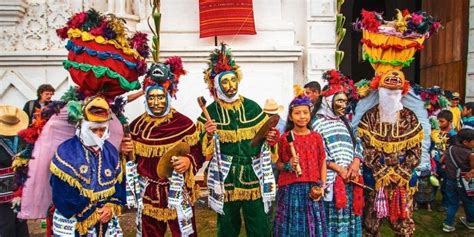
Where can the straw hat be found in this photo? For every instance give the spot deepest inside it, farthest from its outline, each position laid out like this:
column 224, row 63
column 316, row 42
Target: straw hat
column 455, row 96
column 271, row 107
column 12, row 120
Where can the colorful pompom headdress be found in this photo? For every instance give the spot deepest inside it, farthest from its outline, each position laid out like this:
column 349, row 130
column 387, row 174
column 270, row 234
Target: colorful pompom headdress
column 391, row 45
column 102, row 58
column 220, row 61
column 338, row 82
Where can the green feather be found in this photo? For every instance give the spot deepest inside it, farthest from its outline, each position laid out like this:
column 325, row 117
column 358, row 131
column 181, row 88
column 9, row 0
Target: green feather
column 70, row 95
column 93, row 19
column 443, row 102
column 434, row 123
column 74, row 111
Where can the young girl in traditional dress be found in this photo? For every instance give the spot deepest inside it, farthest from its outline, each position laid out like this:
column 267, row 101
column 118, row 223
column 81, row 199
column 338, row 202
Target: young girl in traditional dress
column 300, row 210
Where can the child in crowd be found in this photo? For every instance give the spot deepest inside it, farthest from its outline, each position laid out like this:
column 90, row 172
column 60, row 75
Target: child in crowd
column 456, row 109
column 300, row 210
column 459, row 160
column 445, row 119
column 440, row 142
column 468, row 115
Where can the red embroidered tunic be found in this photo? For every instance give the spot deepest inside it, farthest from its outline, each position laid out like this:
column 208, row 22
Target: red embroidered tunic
column 312, row 155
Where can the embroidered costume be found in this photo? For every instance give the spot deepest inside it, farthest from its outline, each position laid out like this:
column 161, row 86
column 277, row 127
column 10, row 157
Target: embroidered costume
column 392, row 134
column 342, row 148
column 154, row 133
column 103, row 59
column 87, row 176
column 296, row 213
column 240, row 176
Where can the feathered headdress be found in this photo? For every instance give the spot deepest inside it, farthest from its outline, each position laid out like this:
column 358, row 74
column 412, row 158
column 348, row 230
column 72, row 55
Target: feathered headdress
column 338, row 82
column 166, row 75
column 102, row 59
column 220, row 60
column 391, row 45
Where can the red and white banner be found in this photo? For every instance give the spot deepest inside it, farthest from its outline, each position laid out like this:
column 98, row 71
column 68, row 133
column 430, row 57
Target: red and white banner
column 226, row 17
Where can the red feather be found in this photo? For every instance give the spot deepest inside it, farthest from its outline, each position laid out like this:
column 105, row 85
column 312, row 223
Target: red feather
column 176, row 66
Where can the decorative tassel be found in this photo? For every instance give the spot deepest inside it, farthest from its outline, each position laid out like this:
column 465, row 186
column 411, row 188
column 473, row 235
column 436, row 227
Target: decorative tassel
column 381, row 204
column 340, row 195
column 161, row 214
column 392, row 147
column 239, row 194
column 394, row 206
column 358, row 197
column 403, row 204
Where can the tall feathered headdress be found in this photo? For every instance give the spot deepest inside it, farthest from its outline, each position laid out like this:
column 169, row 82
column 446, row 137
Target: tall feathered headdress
column 220, row 60
column 165, row 74
column 390, row 46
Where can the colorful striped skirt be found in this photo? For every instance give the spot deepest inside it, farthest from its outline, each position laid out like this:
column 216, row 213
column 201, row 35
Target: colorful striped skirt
column 342, row 222
column 297, row 214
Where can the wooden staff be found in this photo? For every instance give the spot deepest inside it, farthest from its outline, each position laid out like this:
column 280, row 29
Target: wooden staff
column 202, row 104
column 290, row 139
column 362, row 185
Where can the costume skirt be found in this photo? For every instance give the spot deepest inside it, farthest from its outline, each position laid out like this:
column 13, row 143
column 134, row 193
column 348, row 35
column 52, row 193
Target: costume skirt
column 342, row 222
column 297, row 214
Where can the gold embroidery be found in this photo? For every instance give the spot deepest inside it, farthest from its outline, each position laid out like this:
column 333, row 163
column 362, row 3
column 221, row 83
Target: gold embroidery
column 241, row 178
column 86, row 180
column 83, row 169
column 107, row 172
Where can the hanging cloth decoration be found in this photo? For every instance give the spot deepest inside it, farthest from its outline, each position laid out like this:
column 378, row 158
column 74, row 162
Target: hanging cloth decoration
column 219, row 168
column 262, row 166
column 179, row 199
column 215, row 18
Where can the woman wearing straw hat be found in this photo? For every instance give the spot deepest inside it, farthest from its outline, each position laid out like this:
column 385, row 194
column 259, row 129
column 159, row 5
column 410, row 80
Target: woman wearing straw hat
column 12, row 120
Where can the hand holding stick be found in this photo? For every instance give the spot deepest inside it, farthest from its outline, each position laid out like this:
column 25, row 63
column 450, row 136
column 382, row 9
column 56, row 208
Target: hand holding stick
column 290, row 139
column 202, row 104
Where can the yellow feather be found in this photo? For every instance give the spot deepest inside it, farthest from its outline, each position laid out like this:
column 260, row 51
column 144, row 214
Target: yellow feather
column 298, row 90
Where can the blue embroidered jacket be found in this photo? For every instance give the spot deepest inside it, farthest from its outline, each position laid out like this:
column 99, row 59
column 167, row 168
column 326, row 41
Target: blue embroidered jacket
column 82, row 182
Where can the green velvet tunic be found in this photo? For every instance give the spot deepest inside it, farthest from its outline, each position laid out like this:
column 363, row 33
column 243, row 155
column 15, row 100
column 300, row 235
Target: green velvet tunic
column 237, row 124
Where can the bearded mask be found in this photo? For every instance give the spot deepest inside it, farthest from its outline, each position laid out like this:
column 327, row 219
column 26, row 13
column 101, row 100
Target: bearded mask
column 227, row 86
column 157, row 101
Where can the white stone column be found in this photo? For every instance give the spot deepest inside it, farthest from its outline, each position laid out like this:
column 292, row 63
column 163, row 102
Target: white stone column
column 470, row 56
column 321, row 38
